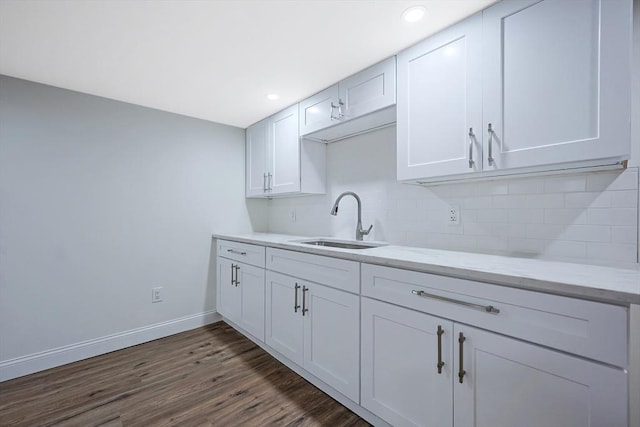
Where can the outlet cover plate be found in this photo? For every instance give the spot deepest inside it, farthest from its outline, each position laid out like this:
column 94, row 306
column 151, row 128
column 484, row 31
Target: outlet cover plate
column 453, row 215
column 156, row 294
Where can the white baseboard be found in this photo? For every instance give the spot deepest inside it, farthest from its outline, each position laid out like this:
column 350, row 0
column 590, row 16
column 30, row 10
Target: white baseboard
column 37, row 362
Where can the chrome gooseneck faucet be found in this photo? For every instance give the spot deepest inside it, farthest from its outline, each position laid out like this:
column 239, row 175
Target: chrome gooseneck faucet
column 359, row 230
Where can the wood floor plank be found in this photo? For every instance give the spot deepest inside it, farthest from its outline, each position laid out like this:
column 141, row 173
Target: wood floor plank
column 211, row 376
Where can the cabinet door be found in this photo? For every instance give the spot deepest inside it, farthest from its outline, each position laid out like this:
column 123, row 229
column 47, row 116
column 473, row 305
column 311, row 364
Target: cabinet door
column 284, row 326
column 229, row 295
column 316, row 112
column 511, row 383
column 439, row 101
column 332, row 337
column 256, row 159
column 251, row 284
column 369, row 90
column 284, row 156
column 400, row 379
column 556, row 81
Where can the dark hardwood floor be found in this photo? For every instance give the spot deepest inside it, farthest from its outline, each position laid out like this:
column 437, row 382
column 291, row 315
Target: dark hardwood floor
column 211, row 376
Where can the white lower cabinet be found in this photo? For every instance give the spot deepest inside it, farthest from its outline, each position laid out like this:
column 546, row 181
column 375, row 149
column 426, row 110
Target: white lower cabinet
column 406, row 348
column 317, row 327
column 401, row 382
column 241, row 295
column 484, row 379
column 508, row 382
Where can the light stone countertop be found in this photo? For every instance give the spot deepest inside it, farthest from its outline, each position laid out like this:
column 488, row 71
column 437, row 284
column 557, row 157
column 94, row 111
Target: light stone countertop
column 605, row 284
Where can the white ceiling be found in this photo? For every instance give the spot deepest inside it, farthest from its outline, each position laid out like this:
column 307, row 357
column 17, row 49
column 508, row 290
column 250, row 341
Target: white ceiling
column 216, row 59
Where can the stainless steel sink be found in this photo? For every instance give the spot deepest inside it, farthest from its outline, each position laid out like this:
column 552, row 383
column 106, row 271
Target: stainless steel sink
column 343, row 244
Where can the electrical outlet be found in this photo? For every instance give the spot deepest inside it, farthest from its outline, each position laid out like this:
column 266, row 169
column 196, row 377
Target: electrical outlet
column 453, row 215
column 156, row 294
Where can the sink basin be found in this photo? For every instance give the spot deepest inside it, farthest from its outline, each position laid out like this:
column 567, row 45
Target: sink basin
column 343, row 244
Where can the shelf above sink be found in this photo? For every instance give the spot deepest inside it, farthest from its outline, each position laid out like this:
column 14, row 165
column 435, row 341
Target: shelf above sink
column 342, row 244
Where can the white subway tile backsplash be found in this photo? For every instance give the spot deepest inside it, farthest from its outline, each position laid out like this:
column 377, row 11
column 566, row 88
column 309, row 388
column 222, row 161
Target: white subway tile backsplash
column 524, row 247
column 493, row 244
column 585, row 217
column 527, row 186
column 588, row 233
column 492, row 215
column 627, row 235
column 544, row 201
column 624, row 198
column 565, row 216
column 476, row 229
column 612, row 216
column 616, row 180
column 481, row 202
column 406, row 204
column 508, row 230
column 492, row 188
column 565, row 184
column 453, row 190
column 592, row 199
column 525, row 216
column 511, row 201
column 614, row 252
column 564, row 249
column 544, row 231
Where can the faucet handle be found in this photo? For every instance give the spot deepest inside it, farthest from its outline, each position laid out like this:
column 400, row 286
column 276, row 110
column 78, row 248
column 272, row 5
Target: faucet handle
column 366, row 232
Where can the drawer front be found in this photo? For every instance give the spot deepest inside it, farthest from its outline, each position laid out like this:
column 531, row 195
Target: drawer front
column 243, row 252
column 595, row 330
column 337, row 273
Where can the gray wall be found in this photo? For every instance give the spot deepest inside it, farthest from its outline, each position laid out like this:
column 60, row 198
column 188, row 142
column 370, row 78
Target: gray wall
column 99, row 202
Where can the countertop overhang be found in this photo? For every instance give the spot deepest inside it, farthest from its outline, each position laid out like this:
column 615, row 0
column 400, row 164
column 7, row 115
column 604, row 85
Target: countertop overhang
column 597, row 283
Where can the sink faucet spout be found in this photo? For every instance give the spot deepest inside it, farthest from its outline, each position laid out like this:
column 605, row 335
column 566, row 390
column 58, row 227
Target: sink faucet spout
column 360, row 232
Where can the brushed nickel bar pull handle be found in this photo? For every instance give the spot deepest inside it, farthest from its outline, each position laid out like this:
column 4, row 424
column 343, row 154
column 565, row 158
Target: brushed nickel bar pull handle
column 490, row 158
column 233, row 269
column 304, row 300
column 440, row 362
column 264, row 182
column 237, row 281
column 269, row 184
column 485, row 308
column 233, row 251
column 471, row 137
column 296, row 306
column 461, row 371
column 333, row 107
column 339, row 107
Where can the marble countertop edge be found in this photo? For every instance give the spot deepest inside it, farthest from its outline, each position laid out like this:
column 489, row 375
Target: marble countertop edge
column 597, row 283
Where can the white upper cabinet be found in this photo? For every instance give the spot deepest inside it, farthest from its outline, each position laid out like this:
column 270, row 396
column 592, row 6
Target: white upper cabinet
column 440, row 103
column 526, row 86
column 319, row 111
column 278, row 163
column 355, row 105
column 556, row 82
column 284, row 159
column 257, row 145
column 369, row 90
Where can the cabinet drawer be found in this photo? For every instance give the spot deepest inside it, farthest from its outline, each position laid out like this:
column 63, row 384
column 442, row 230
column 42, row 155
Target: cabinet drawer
column 243, row 252
column 590, row 329
column 337, row 273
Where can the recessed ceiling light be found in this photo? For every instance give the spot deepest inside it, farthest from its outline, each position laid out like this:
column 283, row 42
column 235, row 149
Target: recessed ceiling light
column 272, row 96
column 413, row 14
